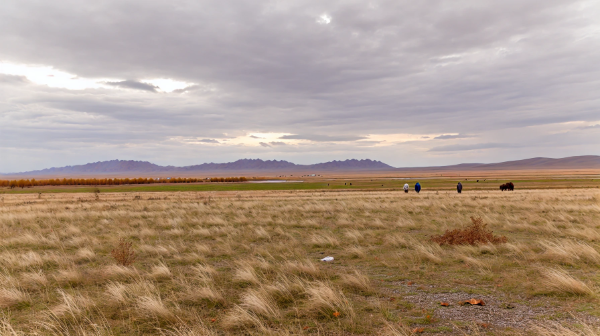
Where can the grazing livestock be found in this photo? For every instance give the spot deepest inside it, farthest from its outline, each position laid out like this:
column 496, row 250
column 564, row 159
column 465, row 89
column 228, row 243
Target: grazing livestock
column 507, row 186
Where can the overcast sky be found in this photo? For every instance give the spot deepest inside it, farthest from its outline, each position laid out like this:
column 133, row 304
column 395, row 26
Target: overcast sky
column 410, row 83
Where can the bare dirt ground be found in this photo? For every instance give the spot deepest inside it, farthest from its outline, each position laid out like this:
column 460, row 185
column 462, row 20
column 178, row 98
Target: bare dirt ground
column 220, row 263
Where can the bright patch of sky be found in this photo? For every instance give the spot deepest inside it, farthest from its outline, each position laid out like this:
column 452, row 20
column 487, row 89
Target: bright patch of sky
column 324, row 19
column 52, row 77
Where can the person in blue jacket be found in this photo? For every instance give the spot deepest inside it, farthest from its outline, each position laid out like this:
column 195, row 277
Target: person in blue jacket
column 418, row 187
column 459, row 187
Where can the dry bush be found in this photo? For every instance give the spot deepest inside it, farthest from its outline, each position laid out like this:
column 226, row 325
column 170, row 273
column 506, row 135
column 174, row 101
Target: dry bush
column 124, row 253
column 326, row 300
column 474, row 234
column 559, row 281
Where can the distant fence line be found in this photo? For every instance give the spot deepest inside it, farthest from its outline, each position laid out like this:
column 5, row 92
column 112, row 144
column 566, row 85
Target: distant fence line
column 23, row 183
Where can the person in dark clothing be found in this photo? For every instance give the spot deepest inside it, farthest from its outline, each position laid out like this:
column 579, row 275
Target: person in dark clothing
column 418, row 187
column 459, row 187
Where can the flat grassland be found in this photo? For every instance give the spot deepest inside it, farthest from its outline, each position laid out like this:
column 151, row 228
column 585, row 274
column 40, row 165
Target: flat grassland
column 248, row 262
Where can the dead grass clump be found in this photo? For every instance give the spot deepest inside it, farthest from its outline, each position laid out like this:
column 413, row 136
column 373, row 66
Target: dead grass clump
column 568, row 251
column 239, row 317
column 7, row 329
column 72, row 306
column 197, row 329
column 474, row 234
column 306, row 267
column 325, row 300
column 246, row 274
column 34, row 280
column 209, row 294
column 555, row 329
column 355, row 252
column 559, row 281
column 153, row 306
column 324, row 240
column 261, row 303
column 123, row 253
column 69, row 276
column 12, row 297
column 117, row 272
column 357, row 281
column 161, row 272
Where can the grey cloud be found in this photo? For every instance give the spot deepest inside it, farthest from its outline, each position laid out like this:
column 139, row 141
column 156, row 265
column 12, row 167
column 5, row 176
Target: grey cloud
column 448, row 137
column 209, row 141
column 130, row 84
column 318, row 137
column 590, row 126
column 264, row 144
column 277, row 143
column 256, row 137
column 13, row 80
column 455, row 148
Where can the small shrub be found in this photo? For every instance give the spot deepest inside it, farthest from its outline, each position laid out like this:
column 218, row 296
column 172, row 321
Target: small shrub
column 123, row 253
column 474, row 234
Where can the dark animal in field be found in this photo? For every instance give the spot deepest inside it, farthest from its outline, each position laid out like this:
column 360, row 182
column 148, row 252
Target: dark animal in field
column 507, row 186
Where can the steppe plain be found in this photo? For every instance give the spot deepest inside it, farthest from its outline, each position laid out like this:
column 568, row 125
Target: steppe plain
column 232, row 261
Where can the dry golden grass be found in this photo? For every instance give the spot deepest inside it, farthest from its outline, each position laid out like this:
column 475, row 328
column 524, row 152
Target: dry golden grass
column 248, row 263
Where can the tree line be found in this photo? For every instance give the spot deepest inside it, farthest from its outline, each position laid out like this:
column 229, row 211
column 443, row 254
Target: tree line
column 24, row 183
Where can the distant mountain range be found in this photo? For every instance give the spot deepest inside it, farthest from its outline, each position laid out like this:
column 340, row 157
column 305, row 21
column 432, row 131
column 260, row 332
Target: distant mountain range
column 244, row 165
column 572, row 162
column 257, row 165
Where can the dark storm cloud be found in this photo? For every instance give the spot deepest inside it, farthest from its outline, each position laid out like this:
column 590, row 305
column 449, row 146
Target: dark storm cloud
column 501, row 70
column 318, row 137
column 130, row 84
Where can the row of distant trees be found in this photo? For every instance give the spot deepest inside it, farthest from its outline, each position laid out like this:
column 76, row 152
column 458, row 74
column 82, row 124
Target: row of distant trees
column 111, row 181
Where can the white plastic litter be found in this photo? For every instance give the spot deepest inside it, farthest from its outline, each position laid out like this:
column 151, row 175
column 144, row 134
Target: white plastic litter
column 327, row 259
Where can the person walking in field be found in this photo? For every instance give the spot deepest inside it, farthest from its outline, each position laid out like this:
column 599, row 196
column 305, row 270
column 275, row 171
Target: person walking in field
column 418, row 187
column 406, row 187
column 459, row 187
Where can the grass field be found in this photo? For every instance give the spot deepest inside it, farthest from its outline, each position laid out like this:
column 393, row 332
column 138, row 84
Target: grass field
column 350, row 183
column 248, row 262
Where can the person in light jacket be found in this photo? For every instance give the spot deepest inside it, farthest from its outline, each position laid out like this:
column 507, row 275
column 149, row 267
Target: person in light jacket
column 459, row 187
column 406, row 187
column 418, row 187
